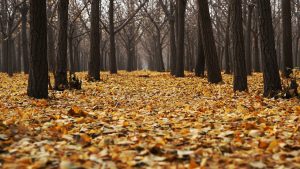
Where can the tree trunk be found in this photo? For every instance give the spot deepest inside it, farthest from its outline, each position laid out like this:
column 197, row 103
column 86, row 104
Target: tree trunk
column 51, row 49
column 61, row 81
column 239, row 66
column 181, row 5
column 272, row 83
column 94, row 62
column 213, row 69
column 113, row 59
column 287, row 49
column 227, row 42
column 24, row 11
column 19, row 56
column 172, row 40
column 200, row 60
column 38, row 73
column 248, row 40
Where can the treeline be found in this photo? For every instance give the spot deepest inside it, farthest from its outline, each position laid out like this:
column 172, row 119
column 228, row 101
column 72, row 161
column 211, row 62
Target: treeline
column 238, row 37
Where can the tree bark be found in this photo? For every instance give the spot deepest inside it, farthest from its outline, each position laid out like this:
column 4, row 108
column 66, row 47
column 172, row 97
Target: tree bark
column 272, row 83
column 61, row 81
column 38, row 73
column 239, row 66
column 94, row 62
column 248, row 40
column 181, row 5
column 213, row 69
column 113, row 59
column 227, row 42
column 287, row 45
column 24, row 11
column 200, row 61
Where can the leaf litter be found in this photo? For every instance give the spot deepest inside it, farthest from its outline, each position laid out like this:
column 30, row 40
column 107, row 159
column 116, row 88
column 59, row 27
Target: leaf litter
column 148, row 120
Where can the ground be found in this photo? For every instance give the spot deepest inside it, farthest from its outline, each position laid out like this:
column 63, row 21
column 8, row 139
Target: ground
column 148, row 120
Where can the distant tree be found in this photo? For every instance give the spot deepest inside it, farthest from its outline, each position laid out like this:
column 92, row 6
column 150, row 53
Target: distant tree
column 248, row 53
column 170, row 13
column 272, row 83
column 211, row 58
column 38, row 69
column 227, row 42
column 181, row 5
column 61, row 81
column 94, row 62
column 24, row 10
column 238, row 55
column 287, row 49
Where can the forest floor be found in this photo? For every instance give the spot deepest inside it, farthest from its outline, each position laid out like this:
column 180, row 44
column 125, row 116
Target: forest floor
column 148, row 120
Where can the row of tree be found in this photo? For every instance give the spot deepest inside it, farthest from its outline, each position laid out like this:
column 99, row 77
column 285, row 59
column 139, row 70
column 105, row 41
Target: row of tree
column 197, row 35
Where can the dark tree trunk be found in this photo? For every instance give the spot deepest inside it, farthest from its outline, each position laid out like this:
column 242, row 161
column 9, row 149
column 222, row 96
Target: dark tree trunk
column 61, row 81
column 181, row 5
column 71, row 54
column 24, row 11
column 238, row 57
column 172, row 40
column 256, row 53
column 248, row 53
column 51, row 49
column 272, row 83
column 159, row 62
column 94, row 62
column 211, row 58
column 19, row 54
column 227, row 42
column 256, row 58
column 287, row 49
column 113, row 59
column 38, row 73
column 200, row 61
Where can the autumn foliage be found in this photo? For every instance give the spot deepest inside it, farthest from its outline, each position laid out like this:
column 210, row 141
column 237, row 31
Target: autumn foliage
column 148, row 120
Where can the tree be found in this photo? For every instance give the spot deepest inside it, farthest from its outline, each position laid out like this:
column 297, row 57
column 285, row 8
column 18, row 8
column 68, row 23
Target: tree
column 227, row 42
column 211, row 58
column 24, row 11
column 38, row 69
column 272, row 83
column 200, row 61
column 287, row 49
column 172, row 39
column 248, row 40
column 181, row 5
column 94, row 62
column 238, row 55
column 61, row 81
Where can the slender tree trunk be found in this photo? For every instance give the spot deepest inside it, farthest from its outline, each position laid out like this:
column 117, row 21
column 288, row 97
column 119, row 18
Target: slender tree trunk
column 24, row 11
column 200, row 61
column 227, row 42
column 71, row 54
column 51, row 49
column 19, row 54
column 94, row 62
column 181, row 5
column 239, row 66
column 172, row 40
column 287, row 45
column 61, row 81
column 38, row 73
column 248, row 53
column 211, row 58
column 113, row 59
column 272, row 83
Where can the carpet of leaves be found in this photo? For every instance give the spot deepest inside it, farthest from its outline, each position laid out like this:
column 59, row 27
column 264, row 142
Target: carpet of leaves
column 148, row 120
